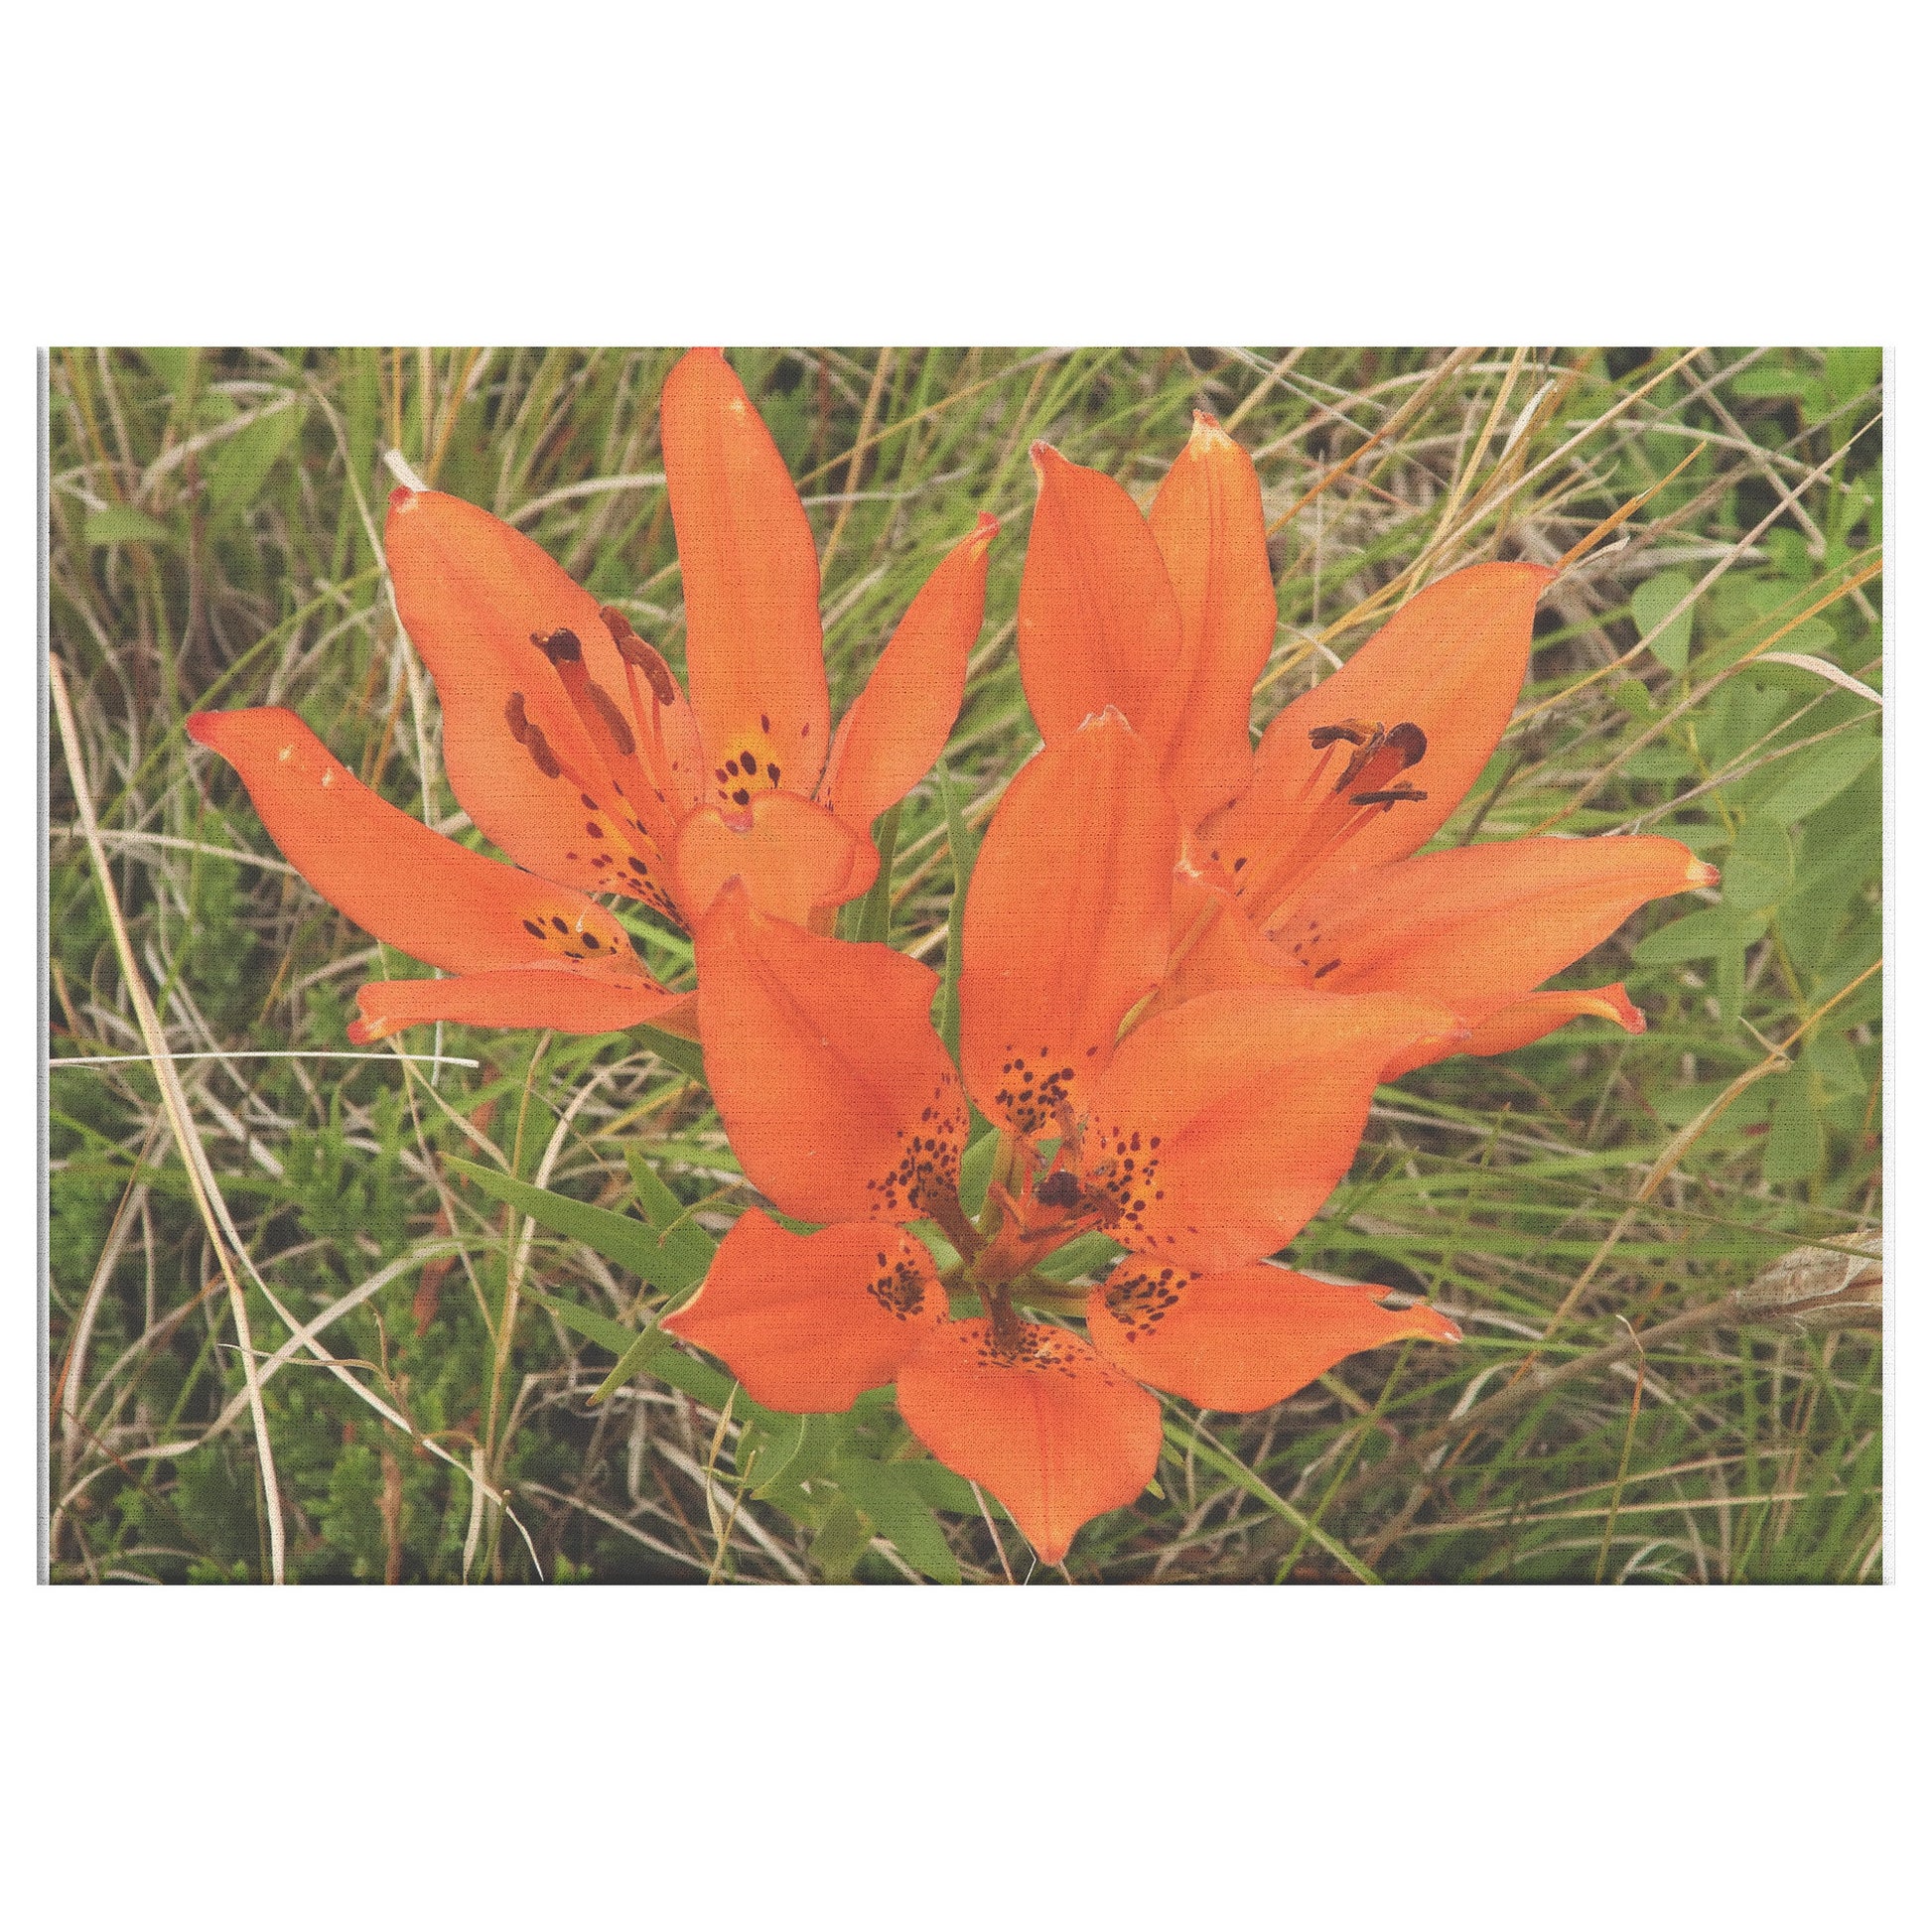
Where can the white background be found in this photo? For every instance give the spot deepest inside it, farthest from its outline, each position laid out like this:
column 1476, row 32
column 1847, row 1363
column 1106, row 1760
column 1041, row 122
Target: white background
column 998, row 173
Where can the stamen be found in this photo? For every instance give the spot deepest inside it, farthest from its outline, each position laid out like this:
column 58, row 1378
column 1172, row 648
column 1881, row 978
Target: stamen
column 619, row 724
column 1369, row 783
column 1061, row 1188
column 1403, row 794
column 639, row 655
column 1352, row 730
column 561, row 646
column 538, row 747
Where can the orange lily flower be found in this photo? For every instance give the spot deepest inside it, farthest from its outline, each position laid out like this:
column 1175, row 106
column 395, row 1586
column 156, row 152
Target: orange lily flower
column 1299, row 860
column 1200, row 1141
column 572, row 747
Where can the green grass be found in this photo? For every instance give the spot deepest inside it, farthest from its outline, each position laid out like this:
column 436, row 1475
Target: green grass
column 212, row 516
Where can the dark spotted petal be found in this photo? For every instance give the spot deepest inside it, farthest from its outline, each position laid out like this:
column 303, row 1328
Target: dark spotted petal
column 810, row 1322
column 839, row 1099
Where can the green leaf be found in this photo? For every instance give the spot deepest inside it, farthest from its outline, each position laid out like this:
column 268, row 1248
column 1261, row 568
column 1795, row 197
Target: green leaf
column 840, row 1543
column 120, row 524
column 239, row 469
column 589, row 1323
column 769, row 1447
column 631, row 1244
column 1650, row 603
column 1704, row 934
column 975, row 1170
column 1815, row 778
column 899, row 1515
column 684, row 1250
column 651, row 1350
column 673, row 1050
column 1086, row 1254
column 1795, row 1147
column 1850, row 373
column 1757, row 870
column 939, row 1486
column 874, row 919
column 964, row 848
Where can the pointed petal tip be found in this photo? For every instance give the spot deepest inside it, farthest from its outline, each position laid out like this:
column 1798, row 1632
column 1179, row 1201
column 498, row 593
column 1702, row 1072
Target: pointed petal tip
column 1699, row 872
column 401, row 498
column 1207, row 434
column 1430, row 1325
column 1619, row 1008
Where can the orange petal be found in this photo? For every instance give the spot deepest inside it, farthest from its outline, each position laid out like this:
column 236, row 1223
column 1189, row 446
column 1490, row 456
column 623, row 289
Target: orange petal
column 899, row 723
column 810, row 1322
column 1479, row 926
column 1098, row 620
column 1245, row 1340
column 472, row 594
column 1054, row 1433
column 413, row 889
column 1451, row 662
column 1206, row 517
column 1067, row 922
column 1213, row 945
column 1223, row 1125
column 515, row 996
column 792, row 856
column 753, row 651
column 1527, row 1019
column 839, row 1099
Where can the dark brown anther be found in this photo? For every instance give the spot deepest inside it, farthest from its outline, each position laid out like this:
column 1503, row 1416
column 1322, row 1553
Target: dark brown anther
column 1362, row 757
column 635, row 651
column 540, row 750
column 561, row 646
column 1350, row 731
column 617, row 625
column 606, row 709
column 1061, row 1188
column 1408, row 742
column 513, row 717
column 1394, row 795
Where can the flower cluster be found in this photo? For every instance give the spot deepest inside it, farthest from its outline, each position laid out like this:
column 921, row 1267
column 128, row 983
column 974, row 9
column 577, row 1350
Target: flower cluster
column 1187, row 957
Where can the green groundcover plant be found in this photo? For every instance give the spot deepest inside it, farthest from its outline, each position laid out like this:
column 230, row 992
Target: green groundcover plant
column 363, row 1276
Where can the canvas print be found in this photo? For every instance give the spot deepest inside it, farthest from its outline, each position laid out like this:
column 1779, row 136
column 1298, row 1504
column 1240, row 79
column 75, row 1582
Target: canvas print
column 933, row 966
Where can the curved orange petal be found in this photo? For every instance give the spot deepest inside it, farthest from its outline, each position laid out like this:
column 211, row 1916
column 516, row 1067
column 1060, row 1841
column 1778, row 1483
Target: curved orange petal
column 1054, row 1431
column 837, row 1096
column 1098, row 621
column 1449, row 662
column 1527, row 1019
column 810, row 1322
column 1479, row 925
column 1213, row 945
column 793, row 856
column 1206, row 517
column 1067, row 922
column 473, row 594
column 571, row 1002
column 899, row 723
column 753, row 651
column 1223, row 1125
column 413, row 889
column 1245, row 1340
